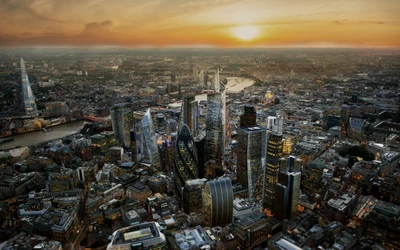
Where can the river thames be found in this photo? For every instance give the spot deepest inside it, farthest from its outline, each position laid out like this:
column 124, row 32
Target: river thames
column 235, row 84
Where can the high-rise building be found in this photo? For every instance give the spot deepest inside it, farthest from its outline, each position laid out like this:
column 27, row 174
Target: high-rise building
column 287, row 190
column 214, row 128
column 122, row 122
column 148, row 142
column 249, row 117
column 133, row 145
column 189, row 114
column 28, row 99
column 218, row 202
column 200, row 142
column 186, row 160
column 251, row 152
column 274, row 153
column 193, row 196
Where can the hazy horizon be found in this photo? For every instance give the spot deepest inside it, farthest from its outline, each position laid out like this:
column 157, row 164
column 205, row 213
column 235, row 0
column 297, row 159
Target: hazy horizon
column 201, row 23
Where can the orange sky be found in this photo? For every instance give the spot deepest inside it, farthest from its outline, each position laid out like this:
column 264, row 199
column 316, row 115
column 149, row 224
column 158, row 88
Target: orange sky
column 143, row 23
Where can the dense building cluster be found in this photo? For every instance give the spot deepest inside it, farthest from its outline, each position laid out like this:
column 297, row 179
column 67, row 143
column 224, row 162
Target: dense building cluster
column 201, row 150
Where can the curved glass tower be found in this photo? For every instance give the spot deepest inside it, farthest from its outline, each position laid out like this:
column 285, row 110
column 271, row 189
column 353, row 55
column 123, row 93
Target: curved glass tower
column 218, row 202
column 28, row 99
column 150, row 153
column 186, row 160
column 122, row 122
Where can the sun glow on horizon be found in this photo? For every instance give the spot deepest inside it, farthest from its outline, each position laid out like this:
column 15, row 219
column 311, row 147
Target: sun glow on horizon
column 246, row 32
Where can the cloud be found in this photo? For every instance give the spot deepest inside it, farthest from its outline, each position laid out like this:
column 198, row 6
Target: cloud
column 95, row 28
column 372, row 22
column 42, row 17
column 196, row 4
column 340, row 22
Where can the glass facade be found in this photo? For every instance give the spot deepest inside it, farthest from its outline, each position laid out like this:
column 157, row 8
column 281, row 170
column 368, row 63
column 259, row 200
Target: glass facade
column 252, row 148
column 274, row 153
column 186, row 160
column 218, row 202
column 122, row 122
column 150, row 152
column 214, row 127
column 28, row 99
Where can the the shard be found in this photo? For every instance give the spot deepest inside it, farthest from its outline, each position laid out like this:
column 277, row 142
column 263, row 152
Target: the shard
column 28, row 99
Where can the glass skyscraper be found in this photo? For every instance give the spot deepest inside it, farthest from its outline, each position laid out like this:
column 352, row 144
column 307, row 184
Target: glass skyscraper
column 251, row 157
column 149, row 152
column 274, row 153
column 122, row 122
column 28, row 99
column 189, row 114
column 287, row 190
column 186, row 160
column 251, row 153
column 215, row 127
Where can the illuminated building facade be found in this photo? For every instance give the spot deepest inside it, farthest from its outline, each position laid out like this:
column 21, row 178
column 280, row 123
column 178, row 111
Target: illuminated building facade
column 274, row 153
column 218, row 202
column 383, row 224
column 214, row 128
column 251, row 152
column 28, row 99
column 186, row 160
column 148, row 140
column 287, row 189
column 193, row 196
column 189, row 114
column 122, row 122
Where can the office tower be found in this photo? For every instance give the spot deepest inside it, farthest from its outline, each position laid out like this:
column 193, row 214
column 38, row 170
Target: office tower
column 201, row 78
column 200, row 142
column 249, row 117
column 189, row 114
column 251, row 152
column 28, row 99
column 193, row 196
column 214, row 128
column 122, row 122
column 344, row 113
column 186, row 160
column 274, row 153
column 217, row 85
column 270, row 122
column 150, row 152
column 287, row 190
column 218, row 202
column 133, row 145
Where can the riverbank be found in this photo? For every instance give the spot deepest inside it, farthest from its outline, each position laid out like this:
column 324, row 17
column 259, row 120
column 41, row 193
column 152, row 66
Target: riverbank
column 36, row 137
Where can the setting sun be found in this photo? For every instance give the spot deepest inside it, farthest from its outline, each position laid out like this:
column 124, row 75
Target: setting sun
column 246, row 32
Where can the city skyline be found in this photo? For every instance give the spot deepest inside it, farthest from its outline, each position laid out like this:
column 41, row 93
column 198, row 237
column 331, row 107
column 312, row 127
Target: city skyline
column 209, row 23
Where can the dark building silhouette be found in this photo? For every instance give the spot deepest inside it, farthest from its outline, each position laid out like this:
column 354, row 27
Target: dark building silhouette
column 186, row 160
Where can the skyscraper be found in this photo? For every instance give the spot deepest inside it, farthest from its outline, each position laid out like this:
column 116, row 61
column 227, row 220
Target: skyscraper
column 133, row 145
column 186, row 160
column 193, row 196
column 287, row 190
column 148, row 140
column 274, row 153
column 122, row 122
column 189, row 114
column 218, row 202
column 214, row 128
column 251, row 152
column 28, row 99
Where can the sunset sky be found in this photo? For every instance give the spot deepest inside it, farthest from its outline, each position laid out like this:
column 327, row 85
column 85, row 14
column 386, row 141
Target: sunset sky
column 197, row 23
